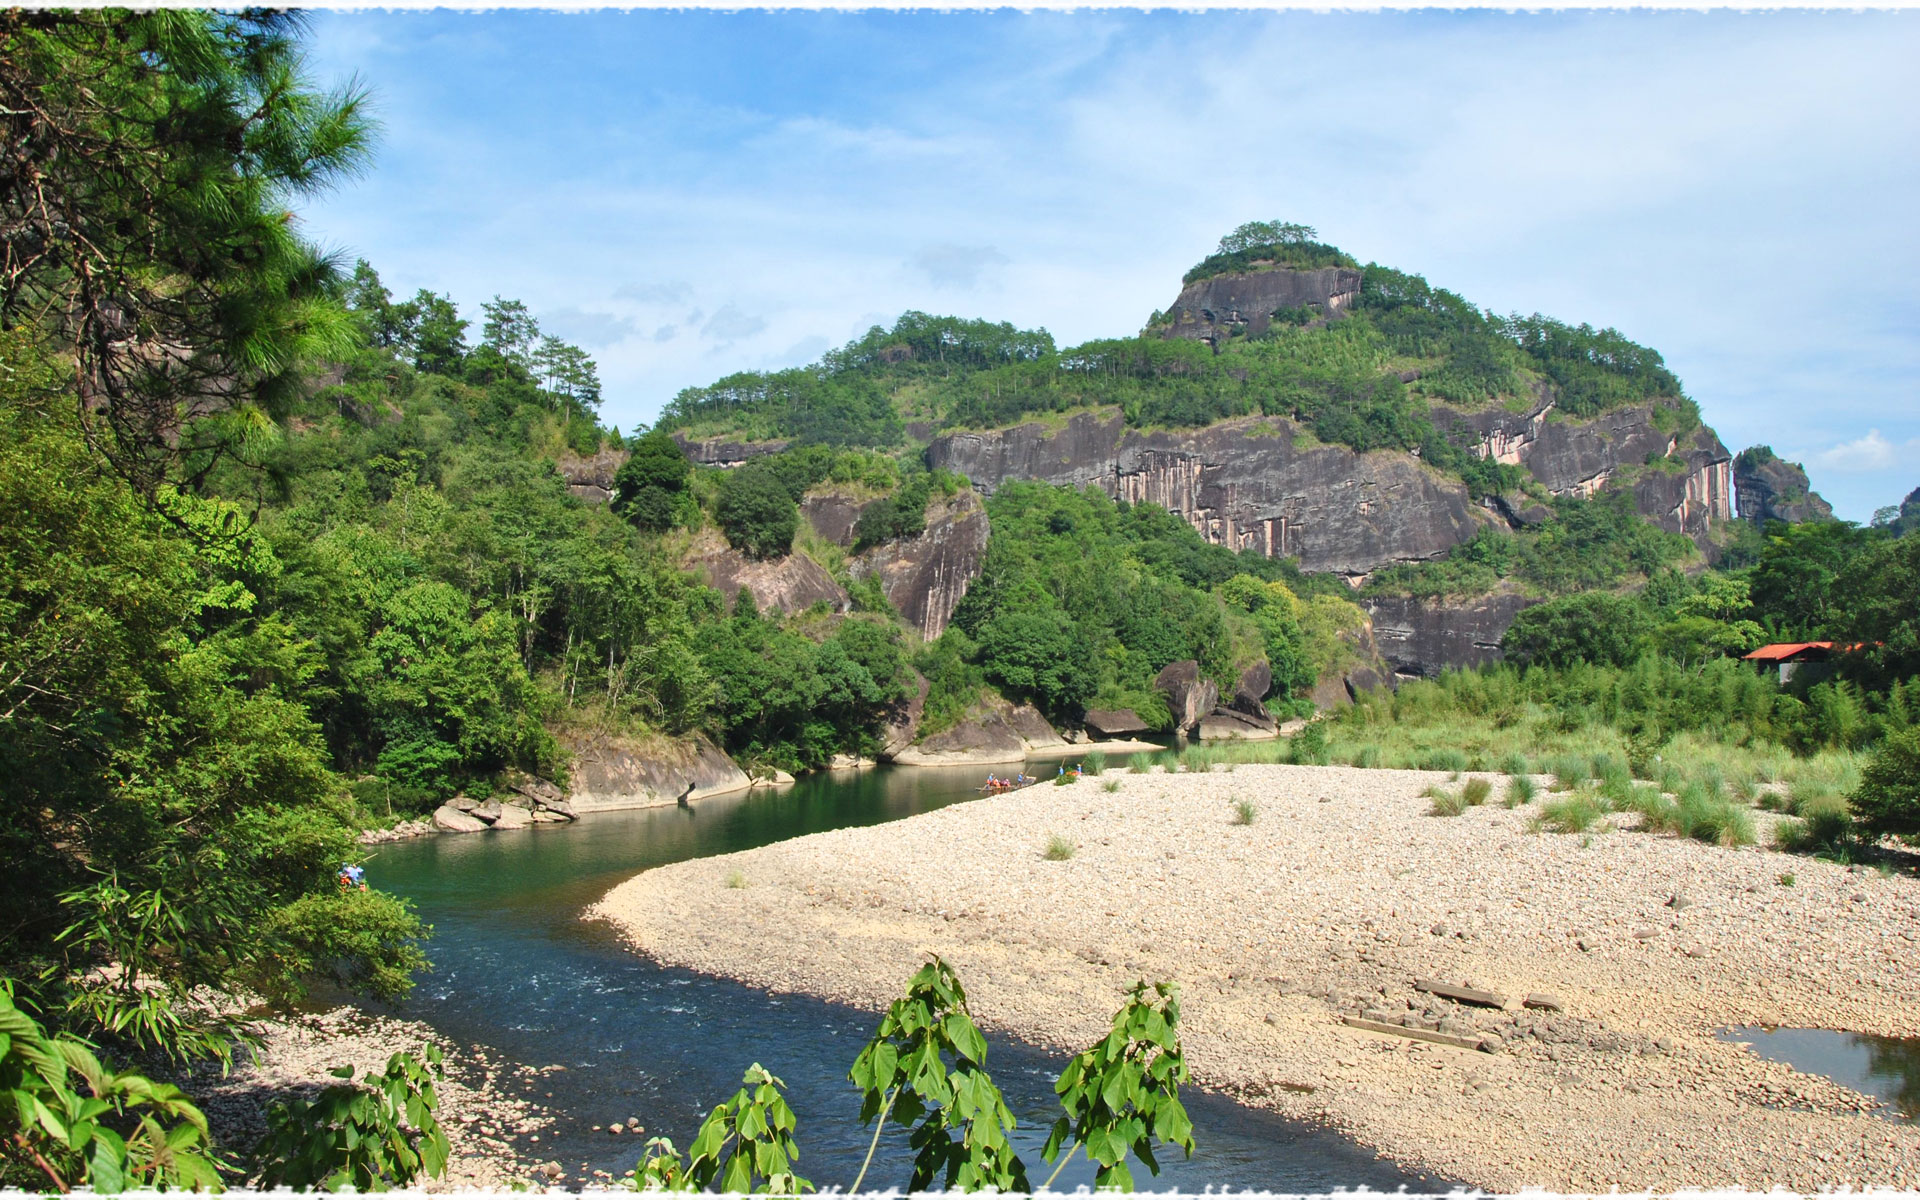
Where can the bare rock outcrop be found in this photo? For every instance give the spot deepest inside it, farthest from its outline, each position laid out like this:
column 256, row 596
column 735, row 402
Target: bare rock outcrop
column 833, row 514
column 790, row 584
column 1682, row 482
column 994, row 732
column 726, row 452
column 1215, row 309
column 591, row 478
column 613, row 773
column 1769, row 488
column 1114, row 722
column 1190, row 695
column 902, row 723
column 1242, row 483
column 1424, row 637
column 924, row 577
column 1228, row 723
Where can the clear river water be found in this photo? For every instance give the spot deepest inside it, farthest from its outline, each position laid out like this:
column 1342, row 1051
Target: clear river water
column 517, row 969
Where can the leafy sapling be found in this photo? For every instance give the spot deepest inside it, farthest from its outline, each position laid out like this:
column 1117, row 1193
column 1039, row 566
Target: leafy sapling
column 382, row 1132
column 746, row 1144
column 1123, row 1094
column 924, row 1069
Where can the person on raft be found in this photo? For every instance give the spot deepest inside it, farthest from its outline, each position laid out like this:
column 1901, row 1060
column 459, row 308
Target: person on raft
column 353, row 877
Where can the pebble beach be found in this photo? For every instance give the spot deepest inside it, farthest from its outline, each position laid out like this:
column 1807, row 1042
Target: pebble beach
column 1317, row 945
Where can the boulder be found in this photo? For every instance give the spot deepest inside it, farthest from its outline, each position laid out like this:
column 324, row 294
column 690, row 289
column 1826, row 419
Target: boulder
column 453, row 820
column 1189, row 695
column 465, row 804
column 1230, row 723
column 610, row 773
column 1114, row 722
column 986, row 736
column 559, row 808
column 847, row 762
column 488, row 811
column 537, row 790
column 1425, row 637
column 543, row 817
column 513, row 816
column 1250, row 693
column 1034, row 731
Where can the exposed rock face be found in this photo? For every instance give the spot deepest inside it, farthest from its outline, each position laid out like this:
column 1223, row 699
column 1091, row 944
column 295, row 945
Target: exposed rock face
column 1578, row 458
column 1114, row 722
column 1424, row 637
column 1241, row 483
column 611, row 773
column 902, row 723
column 452, row 820
column 1190, row 695
column 1250, row 692
column 1772, row 489
column 591, row 479
column 1217, row 308
column 925, row 576
column 1230, row 723
column 726, row 452
column 994, row 733
column 832, row 515
column 789, row 585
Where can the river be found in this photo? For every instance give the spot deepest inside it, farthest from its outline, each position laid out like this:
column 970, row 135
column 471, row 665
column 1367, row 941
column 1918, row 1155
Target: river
column 516, row 969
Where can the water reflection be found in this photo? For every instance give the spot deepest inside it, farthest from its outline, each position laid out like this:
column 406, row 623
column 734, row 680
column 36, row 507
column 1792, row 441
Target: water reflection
column 1887, row 1068
column 516, row 969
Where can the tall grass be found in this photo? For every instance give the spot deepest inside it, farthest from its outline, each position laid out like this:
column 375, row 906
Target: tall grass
column 1520, row 790
column 1095, row 763
column 1475, row 791
column 1140, row 764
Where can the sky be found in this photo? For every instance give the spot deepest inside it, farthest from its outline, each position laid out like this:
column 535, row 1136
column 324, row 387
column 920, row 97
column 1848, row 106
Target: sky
column 687, row 194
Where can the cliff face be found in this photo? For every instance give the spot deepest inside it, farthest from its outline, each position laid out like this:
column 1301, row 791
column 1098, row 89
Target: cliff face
column 1241, row 483
column 1578, row 458
column 925, row 577
column 788, row 585
column 1772, row 489
column 726, row 452
column 1217, row 308
column 1424, row 637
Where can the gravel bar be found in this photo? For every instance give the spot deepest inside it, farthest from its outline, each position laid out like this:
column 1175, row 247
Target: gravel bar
column 1340, row 895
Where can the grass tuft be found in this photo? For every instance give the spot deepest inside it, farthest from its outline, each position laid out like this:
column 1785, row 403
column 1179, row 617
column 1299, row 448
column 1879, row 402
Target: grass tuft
column 1520, row 790
column 1576, row 813
column 1244, row 812
column 1445, row 803
column 1111, row 785
column 1140, row 764
column 1475, row 792
column 1058, row 849
column 736, row 879
column 1095, row 763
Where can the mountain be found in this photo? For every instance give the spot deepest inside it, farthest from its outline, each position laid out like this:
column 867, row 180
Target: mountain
column 1354, row 419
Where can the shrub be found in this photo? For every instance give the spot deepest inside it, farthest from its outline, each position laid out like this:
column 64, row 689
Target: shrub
column 1825, row 824
column 1244, row 812
column 1309, row 746
column 1367, row 756
column 382, row 1132
column 1475, row 792
column 756, row 512
column 1888, row 798
column 1520, row 790
column 1059, row 849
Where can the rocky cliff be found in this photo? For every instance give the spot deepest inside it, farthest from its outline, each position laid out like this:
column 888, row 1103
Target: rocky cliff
column 1224, row 306
column 1769, row 488
column 1681, row 482
column 1243, row 483
column 726, row 452
column 1425, row 637
column 925, row 576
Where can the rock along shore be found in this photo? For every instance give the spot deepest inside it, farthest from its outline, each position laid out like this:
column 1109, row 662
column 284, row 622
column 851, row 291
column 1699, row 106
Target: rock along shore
column 493, row 1132
column 1340, row 897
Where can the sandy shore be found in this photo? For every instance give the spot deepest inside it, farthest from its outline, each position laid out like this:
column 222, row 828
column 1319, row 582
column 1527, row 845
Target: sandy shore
column 1338, row 897
column 494, row 1133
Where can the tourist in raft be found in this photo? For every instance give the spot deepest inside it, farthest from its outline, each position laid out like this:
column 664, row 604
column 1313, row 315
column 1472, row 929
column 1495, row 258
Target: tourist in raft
column 352, row 877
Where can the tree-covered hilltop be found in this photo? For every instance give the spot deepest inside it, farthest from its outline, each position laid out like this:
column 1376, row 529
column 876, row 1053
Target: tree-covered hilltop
column 1368, row 380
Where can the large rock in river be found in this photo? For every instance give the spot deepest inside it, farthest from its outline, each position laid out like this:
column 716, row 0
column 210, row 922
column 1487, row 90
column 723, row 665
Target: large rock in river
column 638, row 773
column 1189, row 694
column 1114, row 722
column 452, row 820
column 994, row 732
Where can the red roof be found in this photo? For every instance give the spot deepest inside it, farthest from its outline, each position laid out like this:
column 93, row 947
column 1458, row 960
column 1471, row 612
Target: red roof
column 1782, row 651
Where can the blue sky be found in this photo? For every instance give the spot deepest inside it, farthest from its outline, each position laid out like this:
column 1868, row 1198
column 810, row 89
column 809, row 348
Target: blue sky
column 688, row 194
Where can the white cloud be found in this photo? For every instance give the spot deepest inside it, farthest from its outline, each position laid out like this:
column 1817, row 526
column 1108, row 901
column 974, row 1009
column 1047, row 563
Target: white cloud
column 666, row 295
column 1869, row 454
column 594, row 330
column 948, row 265
column 729, row 325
